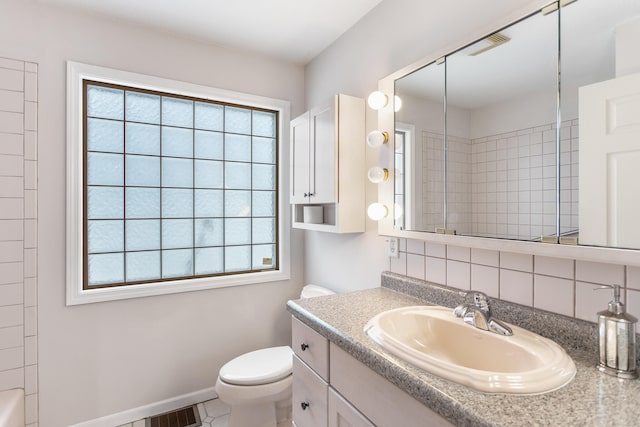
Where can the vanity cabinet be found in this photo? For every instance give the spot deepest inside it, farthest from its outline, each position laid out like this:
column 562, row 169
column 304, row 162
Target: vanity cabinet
column 333, row 389
column 328, row 165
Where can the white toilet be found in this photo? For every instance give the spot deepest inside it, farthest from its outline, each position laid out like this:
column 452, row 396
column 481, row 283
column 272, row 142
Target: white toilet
column 257, row 385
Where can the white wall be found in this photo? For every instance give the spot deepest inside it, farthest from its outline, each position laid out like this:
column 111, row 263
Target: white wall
column 100, row 359
column 393, row 35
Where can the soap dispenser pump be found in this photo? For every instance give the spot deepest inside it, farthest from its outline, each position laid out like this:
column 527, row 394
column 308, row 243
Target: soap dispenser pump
column 617, row 339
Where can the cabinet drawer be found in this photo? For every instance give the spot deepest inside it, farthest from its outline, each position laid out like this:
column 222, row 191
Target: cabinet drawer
column 311, row 347
column 342, row 414
column 309, row 396
column 385, row 404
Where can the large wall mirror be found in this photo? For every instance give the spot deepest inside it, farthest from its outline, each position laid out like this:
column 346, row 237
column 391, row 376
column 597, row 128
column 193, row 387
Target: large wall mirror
column 492, row 140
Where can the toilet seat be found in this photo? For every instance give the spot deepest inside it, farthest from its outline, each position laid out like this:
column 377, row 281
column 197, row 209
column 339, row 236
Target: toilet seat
column 258, row 367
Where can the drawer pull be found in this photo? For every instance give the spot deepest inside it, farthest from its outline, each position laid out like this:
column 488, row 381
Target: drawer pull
column 304, row 405
column 304, row 346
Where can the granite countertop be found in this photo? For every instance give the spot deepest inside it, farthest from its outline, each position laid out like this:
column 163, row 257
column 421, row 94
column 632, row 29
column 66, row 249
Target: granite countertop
column 591, row 399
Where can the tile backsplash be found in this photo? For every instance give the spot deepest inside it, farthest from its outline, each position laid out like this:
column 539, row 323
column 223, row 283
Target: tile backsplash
column 18, row 231
column 563, row 286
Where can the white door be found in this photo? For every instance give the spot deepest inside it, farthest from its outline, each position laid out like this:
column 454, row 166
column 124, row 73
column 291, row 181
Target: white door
column 299, row 159
column 609, row 183
column 323, row 185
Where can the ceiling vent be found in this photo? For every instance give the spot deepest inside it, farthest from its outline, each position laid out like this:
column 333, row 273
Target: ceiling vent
column 493, row 41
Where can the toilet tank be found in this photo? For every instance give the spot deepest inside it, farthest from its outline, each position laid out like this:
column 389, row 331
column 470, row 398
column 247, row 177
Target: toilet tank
column 310, row 291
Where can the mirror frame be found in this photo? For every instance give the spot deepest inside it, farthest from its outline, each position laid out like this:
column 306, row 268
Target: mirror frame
column 386, row 122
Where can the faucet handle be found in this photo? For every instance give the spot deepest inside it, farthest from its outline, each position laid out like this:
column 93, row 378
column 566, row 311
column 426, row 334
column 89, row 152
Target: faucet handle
column 478, row 299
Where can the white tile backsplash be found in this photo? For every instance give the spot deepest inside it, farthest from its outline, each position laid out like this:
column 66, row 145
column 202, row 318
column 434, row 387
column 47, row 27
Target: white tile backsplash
column 485, row 257
column 458, row 253
column 590, row 301
column 436, row 270
column 416, row 266
column 437, row 250
column 513, row 261
column 516, row 286
column 595, row 272
column 485, row 279
column 559, row 267
column 399, row 265
column 459, row 274
column 553, row 294
column 415, row 247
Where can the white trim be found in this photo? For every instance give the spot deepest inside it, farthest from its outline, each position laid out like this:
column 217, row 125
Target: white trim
column 141, row 412
column 76, row 73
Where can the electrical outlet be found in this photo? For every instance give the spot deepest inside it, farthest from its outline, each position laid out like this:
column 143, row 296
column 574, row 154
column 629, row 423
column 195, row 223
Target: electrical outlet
column 392, row 247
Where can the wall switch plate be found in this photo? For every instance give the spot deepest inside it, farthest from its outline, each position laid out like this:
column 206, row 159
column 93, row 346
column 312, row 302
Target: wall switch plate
column 393, row 250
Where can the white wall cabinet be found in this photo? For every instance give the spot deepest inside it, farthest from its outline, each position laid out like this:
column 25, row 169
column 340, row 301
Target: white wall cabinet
column 328, row 165
column 332, row 389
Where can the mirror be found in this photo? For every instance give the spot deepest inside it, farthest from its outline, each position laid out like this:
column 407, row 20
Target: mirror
column 598, row 206
column 509, row 171
column 419, row 150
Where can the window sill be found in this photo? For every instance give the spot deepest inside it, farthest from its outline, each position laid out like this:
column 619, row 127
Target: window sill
column 77, row 296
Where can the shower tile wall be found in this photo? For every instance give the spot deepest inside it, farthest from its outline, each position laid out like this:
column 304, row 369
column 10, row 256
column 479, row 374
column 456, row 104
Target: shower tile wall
column 514, row 181
column 502, row 185
column 18, row 231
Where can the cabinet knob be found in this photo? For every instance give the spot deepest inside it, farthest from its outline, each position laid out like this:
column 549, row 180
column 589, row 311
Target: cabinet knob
column 304, row 346
column 304, row 405
column 311, row 194
column 306, row 194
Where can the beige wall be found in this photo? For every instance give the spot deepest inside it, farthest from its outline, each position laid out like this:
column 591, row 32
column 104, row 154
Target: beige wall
column 100, row 359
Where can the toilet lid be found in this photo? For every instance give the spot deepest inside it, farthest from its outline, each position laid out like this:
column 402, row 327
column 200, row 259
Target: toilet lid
column 258, row 367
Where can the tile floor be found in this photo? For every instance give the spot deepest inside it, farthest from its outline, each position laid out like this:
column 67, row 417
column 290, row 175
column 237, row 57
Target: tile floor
column 213, row 413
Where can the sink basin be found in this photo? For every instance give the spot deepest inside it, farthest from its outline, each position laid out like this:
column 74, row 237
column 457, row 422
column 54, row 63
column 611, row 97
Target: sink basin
column 433, row 339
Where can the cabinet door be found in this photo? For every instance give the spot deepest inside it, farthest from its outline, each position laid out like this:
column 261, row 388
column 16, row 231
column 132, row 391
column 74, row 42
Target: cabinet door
column 309, row 396
column 342, row 414
column 300, row 146
column 324, row 156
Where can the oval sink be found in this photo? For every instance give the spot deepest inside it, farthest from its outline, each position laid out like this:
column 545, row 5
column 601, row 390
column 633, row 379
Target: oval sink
column 433, row 339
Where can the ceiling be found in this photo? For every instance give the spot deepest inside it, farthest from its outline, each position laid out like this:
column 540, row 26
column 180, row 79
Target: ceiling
column 290, row 30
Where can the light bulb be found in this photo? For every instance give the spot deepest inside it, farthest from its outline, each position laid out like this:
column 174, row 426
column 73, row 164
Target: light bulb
column 377, row 100
column 376, row 138
column 397, row 103
column 377, row 174
column 377, row 211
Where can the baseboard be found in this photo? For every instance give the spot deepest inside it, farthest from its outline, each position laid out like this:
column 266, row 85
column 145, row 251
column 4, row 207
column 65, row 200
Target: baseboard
column 135, row 414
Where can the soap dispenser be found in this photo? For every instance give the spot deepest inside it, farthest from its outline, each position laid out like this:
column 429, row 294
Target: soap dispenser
column 617, row 339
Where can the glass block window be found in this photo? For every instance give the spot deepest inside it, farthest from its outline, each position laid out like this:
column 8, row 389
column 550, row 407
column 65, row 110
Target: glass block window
column 176, row 187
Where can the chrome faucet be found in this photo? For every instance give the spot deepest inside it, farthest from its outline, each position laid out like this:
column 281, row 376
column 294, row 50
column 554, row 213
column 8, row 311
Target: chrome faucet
column 476, row 311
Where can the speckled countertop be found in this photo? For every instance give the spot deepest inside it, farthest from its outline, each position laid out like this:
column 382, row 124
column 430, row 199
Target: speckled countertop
column 591, row 399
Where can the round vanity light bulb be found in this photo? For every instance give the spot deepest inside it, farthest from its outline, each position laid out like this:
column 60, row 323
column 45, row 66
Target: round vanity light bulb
column 377, row 211
column 377, row 174
column 377, row 100
column 376, row 138
column 397, row 103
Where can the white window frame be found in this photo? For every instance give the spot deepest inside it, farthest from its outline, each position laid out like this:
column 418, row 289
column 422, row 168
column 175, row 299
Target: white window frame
column 76, row 73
